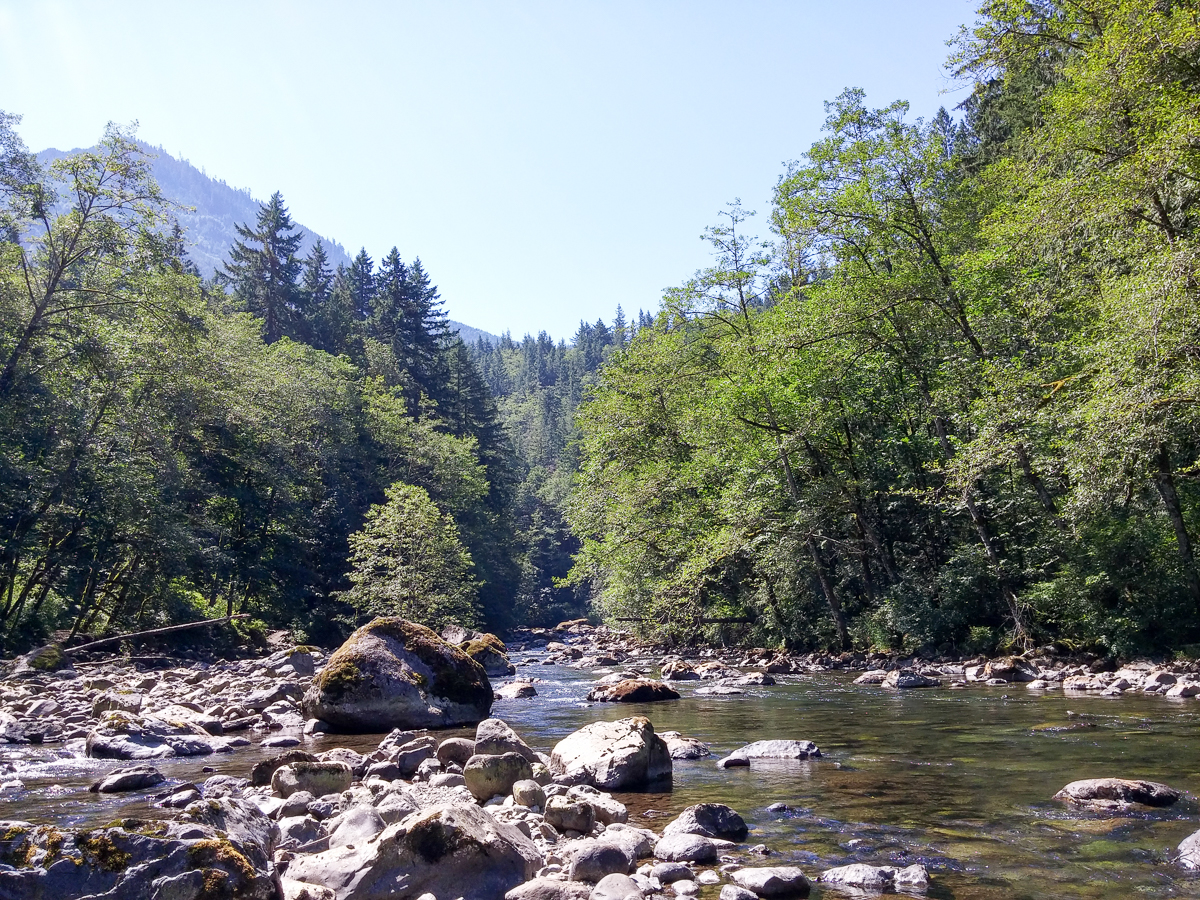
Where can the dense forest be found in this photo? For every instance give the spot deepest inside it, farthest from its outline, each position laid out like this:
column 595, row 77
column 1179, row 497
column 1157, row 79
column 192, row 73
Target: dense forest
column 948, row 404
column 304, row 444
column 952, row 402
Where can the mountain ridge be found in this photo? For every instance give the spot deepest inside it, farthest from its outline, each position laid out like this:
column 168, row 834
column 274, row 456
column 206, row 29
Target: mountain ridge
column 210, row 209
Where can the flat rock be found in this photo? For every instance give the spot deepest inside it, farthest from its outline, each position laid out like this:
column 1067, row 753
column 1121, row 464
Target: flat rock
column 130, row 778
column 1110, row 793
column 632, row 690
column 906, row 679
column 773, row 881
column 778, row 749
column 878, row 878
column 550, row 889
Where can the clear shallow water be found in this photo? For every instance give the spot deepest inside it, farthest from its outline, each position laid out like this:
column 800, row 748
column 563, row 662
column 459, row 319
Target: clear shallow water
column 959, row 780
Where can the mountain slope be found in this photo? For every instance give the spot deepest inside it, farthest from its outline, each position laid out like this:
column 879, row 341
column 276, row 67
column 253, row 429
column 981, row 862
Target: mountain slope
column 210, row 210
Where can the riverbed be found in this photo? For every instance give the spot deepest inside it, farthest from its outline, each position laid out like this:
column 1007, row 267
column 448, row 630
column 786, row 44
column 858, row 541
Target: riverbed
column 960, row 780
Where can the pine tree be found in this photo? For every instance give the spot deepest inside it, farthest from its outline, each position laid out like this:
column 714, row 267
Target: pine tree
column 264, row 277
column 361, row 276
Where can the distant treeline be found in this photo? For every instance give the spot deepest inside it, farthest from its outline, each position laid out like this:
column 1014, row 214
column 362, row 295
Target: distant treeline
column 954, row 402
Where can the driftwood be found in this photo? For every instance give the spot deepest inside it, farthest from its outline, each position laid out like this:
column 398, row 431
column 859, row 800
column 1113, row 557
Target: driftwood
column 155, row 631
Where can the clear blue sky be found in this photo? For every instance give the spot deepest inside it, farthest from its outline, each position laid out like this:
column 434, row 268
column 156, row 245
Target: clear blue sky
column 546, row 160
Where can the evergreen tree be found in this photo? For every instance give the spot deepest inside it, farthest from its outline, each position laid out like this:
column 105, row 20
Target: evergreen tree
column 263, row 270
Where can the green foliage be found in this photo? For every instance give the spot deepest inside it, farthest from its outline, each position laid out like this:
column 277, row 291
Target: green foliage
column 952, row 404
column 408, row 562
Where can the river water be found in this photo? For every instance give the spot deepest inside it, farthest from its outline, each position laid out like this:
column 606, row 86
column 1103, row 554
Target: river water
column 960, row 780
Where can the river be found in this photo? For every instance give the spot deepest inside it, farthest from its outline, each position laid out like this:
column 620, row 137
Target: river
column 960, row 780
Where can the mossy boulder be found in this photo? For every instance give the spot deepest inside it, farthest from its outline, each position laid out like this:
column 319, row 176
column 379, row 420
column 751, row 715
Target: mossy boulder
column 394, row 673
column 42, row 661
column 489, row 651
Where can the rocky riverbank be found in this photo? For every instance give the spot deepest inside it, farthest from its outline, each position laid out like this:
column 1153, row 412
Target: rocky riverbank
column 421, row 814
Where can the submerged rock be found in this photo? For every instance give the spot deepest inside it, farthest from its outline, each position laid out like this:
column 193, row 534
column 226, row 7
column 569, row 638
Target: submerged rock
column 613, row 755
column 861, row 875
column 778, row 749
column 1117, row 793
column 633, row 690
column 393, row 673
column 905, row 679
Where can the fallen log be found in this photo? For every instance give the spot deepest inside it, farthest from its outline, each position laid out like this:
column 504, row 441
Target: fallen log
column 133, row 635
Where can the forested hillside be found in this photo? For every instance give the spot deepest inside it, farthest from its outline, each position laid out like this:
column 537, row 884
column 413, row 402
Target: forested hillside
column 952, row 402
column 172, row 447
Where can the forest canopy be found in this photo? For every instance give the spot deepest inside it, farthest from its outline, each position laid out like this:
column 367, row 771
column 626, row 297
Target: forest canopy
column 951, row 403
column 947, row 404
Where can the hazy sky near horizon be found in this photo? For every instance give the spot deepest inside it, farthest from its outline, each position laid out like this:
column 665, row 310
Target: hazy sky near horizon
column 547, row 161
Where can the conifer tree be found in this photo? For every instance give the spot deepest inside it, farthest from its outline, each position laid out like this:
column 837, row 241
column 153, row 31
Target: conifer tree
column 264, row 277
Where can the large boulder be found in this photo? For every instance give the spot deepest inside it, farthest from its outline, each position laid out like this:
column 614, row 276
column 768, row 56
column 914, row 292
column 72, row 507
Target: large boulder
column 612, row 755
column 489, row 651
column 133, row 859
column 1117, row 793
column 447, row 851
column 685, row 848
column 396, row 674
column 713, row 820
column 317, row 778
column 42, row 661
column 632, row 690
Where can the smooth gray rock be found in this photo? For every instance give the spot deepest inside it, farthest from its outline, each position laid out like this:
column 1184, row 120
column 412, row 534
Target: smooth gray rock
column 567, row 814
column 686, row 848
column 449, row 851
column 594, row 859
column 613, row 755
column 493, row 737
column 713, row 820
column 129, row 778
column 550, row 889
column 773, row 881
column 1189, row 851
column 356, row 826
column 669, row 872
column 489, row 776
column 616, row 887
column 318, row 778
column 681, row 747
column 777, row 750
column 516, row 690
column 528, row 792
column 455, row 750
column 733, row 892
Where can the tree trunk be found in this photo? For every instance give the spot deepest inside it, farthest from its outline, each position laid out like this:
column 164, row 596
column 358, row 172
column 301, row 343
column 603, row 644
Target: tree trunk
column 839, row 620
column 1164, row 479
